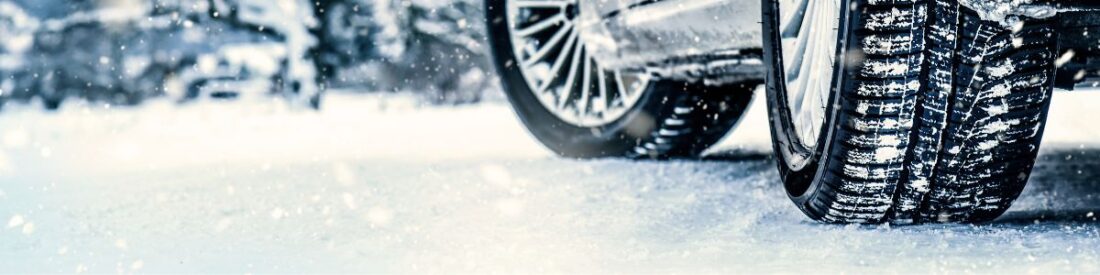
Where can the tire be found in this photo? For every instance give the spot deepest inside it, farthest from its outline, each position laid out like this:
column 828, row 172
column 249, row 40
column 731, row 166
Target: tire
column 934, row 115
column 669, row 119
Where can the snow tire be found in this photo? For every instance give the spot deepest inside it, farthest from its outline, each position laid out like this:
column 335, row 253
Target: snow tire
column 935, row 114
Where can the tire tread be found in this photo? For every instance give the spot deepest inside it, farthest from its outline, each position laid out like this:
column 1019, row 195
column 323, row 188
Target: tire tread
column 950, row 131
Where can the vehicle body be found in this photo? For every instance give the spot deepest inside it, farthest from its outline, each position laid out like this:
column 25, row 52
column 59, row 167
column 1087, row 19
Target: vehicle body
column 247, row 70
column 660, row 34
column 901, row 111
column 380, row 45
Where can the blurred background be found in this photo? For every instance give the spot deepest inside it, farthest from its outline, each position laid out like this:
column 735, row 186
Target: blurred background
column 124, row 52
column 335, row 136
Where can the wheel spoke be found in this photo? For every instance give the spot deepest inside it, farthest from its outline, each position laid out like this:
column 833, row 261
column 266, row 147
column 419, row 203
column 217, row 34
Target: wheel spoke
column 620, row 87
column 550, row 45
column 541, row 25
column 803, row 42
column 813, row 52
column 558, row 69
column 809, row 40
column 535, row 4
column 586, row 84
column 793, row 19
column 570, row 80
column 601, row 77
column 554, row 69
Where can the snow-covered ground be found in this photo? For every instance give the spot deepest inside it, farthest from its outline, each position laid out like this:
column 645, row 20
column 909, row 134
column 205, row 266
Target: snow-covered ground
column 375, row 184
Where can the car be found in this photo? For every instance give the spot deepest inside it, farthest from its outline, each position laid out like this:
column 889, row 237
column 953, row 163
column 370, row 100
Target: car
column 898, row 111
column 122, row 53
column 234, row 71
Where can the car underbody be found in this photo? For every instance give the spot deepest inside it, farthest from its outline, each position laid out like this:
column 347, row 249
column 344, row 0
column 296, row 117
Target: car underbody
column 724, row 42
column 1079, row 39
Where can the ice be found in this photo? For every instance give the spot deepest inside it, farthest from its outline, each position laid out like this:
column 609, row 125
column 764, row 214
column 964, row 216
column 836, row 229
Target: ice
column 253, row 187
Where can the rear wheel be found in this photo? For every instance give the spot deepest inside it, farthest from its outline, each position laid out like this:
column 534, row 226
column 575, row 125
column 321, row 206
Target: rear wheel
column 579, row 109
column 904, row 110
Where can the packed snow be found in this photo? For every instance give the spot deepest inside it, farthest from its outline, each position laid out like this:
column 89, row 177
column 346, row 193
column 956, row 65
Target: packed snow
column 376, row 183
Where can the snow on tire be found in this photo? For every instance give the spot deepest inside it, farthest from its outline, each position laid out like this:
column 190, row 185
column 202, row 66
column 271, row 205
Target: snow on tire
column 934, row 114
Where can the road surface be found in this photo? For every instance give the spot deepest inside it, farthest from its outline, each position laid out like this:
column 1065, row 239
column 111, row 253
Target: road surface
column 377, row 184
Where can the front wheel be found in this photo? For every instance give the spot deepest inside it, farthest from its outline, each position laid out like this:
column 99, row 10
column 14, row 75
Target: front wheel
column 577, row 108
column 905, row 110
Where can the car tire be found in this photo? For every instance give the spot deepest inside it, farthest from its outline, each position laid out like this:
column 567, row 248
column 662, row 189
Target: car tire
column 669, row 119
column 933, row 115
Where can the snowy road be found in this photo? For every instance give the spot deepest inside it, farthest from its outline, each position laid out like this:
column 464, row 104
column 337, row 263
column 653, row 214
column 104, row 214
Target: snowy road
column 375, row 185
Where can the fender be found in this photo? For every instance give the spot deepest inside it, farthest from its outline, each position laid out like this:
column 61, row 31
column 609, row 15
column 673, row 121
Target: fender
column 626, row 34
column 675, row 34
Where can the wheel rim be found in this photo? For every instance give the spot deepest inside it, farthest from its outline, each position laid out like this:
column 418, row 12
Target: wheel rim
column 567, row 81
column 808, row 29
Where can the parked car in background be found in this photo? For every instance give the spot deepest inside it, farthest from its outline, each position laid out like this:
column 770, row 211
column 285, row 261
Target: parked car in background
column 902, row 111
column 434, row 48
column 127, row 51
column 232, row 72
column 351, row 45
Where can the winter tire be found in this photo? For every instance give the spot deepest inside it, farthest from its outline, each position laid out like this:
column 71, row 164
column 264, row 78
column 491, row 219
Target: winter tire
column 924, row 112
column 577, row 109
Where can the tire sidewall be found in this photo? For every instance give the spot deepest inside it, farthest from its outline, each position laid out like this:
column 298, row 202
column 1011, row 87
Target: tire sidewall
column 802, row 178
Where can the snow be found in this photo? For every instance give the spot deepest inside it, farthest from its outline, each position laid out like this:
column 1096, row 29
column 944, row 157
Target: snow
column 1064, row 58
column 1007, row 12
column 1004, row 69
column 377, row 184
column 885, row 154
column 999, row 126
column 877, row 67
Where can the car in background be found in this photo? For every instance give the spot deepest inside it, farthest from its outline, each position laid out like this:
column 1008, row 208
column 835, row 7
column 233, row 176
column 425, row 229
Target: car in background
column 432, row 48
column 232, row 72
column 122, row 53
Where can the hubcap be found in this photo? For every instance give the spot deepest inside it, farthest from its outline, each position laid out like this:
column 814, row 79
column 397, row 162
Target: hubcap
column 559, row 71
column 808, row 29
